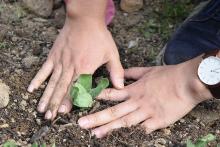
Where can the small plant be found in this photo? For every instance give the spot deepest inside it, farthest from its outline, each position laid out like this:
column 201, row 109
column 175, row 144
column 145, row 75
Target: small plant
column 10, row 143
column 202, row 142
column 43, row 145
column 83, row 94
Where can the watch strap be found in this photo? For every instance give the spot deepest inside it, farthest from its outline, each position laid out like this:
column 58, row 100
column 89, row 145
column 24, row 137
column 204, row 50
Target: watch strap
column 214, row 89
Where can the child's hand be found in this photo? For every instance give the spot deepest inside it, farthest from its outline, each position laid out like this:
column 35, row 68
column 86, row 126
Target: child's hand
column 81, row 47
column 160, row 97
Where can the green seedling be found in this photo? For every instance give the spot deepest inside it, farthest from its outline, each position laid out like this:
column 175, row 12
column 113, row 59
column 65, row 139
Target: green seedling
column 10, row 143
column 202, row 142
column 43, row 145
column 83, row 94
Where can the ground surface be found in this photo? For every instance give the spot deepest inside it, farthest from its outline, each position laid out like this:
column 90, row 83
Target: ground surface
column 25, row 40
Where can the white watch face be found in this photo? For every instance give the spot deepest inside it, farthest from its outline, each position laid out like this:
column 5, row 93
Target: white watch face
column 209, row 70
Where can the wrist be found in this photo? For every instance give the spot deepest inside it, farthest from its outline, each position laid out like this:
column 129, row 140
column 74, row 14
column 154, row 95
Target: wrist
column 84, row 10
column 198, row 90
column 85, row 24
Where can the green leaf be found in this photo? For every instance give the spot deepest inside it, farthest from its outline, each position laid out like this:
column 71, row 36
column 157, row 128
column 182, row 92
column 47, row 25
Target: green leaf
column 189, row 143
column 10, row 143
column 44, row 145
column 82, row 93
column 103, row 83
column 83, row 100
column 53, row 145
column 86, row 81
column 208, row 138
column 74, row 92
column 34, row 145
column 205, row 140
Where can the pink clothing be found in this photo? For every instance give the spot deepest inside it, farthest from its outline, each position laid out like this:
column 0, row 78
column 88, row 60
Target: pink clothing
column 110, row 12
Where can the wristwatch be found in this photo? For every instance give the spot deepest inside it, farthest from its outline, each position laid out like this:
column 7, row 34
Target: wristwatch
column 209, row 72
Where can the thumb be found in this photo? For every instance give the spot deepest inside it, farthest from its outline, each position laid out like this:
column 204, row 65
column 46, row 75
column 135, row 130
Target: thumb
column 116, row 73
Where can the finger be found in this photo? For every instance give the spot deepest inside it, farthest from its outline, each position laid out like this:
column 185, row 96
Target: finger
column 66, row 105
column 116, row 73
column 127, row 121
column 49, row 89
column 107, row 115
column 151, row 125
column 59, row 93
column 136, row 72
column 41, row 76
column 113, row 94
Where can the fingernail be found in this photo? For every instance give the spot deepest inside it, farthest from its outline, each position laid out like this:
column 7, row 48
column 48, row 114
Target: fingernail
column 62, row 109
column 41, row 107
column 83, row 123
column 120, row 83
column 30, row 88
column 48, row 115
column 97, row 133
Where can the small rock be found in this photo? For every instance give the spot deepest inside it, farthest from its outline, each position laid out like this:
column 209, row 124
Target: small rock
column 39, row 134
column 57, row 4
column 59, row 17
column 23, row 104
column 132, row 43
column 160, row 142
column 12, row 120
column 28, row 62
column 24, row 96
column 182, row 120
column 40, row 7
column 131, row 5
column 4, row 126
column 38, row 121
column 14, row 39
column 4, row 94
column 167, row 131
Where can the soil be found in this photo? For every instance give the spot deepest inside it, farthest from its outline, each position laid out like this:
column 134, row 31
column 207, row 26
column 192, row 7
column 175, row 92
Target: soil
column 25, row 40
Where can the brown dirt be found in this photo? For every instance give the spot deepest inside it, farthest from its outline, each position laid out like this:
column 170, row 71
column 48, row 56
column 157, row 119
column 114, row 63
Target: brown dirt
column 27, row 35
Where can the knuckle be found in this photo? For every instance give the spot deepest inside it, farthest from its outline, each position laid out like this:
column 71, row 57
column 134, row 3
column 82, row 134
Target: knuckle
column 108, row 93
column 125, row 122
column 92, row 119
column 53, row 106
column 52, row 82
column 112, row 112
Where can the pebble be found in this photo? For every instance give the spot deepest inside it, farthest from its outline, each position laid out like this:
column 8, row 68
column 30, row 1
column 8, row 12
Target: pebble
column 38, row 121
column 24, row 96
column 59, row 17
column 167, row 131
column 39, row 134
column 182, row 120
column 4, row 126
column 131, row 5
column 23, row 104
column 4, row 94
column 42, row 8
column 133, row 43
column 29, row 61
column 160, row 142
column 14, row 39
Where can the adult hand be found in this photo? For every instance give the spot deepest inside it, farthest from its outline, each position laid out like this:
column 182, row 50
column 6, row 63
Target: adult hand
column 160, row 97
column 81, row 47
